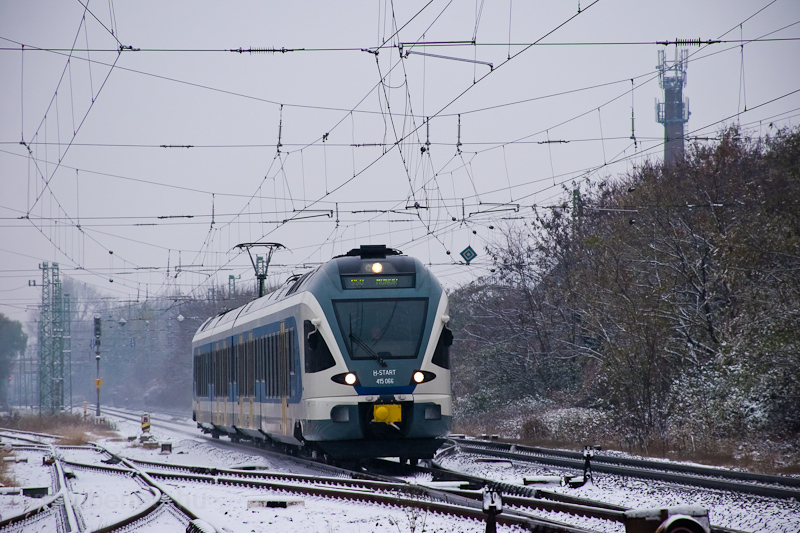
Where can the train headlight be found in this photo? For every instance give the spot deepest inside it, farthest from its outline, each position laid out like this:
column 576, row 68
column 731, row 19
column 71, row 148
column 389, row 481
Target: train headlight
column 421, row 376
column 376, row 268
column 348, row 378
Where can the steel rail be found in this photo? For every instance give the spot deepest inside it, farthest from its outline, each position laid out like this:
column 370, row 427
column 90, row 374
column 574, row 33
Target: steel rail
column 45, row 435
column 60, row 500
column 538, row 498
column 160, row 496
column 515, row 495
column 433, row 493
column 449, row 501
column 148, row 509
column 24, row 439
column 456, row 505
column 534, row 498
column 700, row 470
column 440, row 501
column 63, row 490
column 628, row 471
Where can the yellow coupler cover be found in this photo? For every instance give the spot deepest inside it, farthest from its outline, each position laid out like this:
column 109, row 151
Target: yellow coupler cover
column 386, row 413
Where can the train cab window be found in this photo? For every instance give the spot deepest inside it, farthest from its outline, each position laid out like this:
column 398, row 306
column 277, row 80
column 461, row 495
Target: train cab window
column 318, row 355
column 386, row 328
column 441, row 356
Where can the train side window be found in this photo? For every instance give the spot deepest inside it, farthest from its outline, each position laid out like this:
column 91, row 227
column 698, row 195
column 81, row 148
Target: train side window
column 270, row 372
column 318, row 356
column 251, row 371
column 260, row 361
column 196, row 373
column 290, row 349
column 219, row 368
column 206, row 372
column 230, row 353
column 264, row 363
column 218, row 387
column 441, row 356
column 273, row 374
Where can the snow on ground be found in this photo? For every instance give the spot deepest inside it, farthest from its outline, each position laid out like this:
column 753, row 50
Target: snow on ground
column 165, row 518
column 736, row 511
column 197, row 451
column 87, row 456
column 226, row 506
column 27, row 474
column 103, row 498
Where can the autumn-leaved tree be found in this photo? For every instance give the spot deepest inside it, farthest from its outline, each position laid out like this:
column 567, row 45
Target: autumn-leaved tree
column 668, row 298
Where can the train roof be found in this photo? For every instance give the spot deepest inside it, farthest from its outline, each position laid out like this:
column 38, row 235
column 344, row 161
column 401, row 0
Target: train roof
column 345, row 264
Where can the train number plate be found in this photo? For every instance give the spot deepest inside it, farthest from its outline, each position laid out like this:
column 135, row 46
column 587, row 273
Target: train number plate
column 387, row 413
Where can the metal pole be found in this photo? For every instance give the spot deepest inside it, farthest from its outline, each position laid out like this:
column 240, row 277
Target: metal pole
column 97, row 381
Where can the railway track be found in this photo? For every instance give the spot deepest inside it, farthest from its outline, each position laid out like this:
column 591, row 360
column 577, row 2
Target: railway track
column 155, row 475
column 706, row 477
column 55, row 509
column 345, row 483
column 389, row 481
column 521, row 500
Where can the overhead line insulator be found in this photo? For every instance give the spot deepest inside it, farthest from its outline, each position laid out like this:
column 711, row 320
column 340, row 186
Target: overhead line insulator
column 265, row 50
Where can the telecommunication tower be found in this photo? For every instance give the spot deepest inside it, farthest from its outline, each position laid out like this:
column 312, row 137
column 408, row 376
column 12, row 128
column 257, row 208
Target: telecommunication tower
column 54, row 342
column 673, row 112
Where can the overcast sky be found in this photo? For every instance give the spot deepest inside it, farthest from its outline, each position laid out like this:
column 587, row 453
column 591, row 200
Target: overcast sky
column 167, row 153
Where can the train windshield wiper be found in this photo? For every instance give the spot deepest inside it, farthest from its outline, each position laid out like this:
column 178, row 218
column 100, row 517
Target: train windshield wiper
column 367, row 349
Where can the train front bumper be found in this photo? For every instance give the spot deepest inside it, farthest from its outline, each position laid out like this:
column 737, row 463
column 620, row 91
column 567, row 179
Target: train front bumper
column 417, row 416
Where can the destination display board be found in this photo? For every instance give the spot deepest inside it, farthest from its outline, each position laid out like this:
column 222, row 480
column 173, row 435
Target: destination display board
column 396, row 281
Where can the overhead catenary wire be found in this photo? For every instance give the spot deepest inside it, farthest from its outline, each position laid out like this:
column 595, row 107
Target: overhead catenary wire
column 451, row 44
column 369, row 165
column 602, row 138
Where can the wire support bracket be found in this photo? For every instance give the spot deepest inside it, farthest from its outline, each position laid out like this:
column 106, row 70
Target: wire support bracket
column 409, row 52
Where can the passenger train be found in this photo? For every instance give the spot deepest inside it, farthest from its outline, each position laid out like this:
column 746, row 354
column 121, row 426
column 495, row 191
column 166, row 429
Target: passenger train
column 348, row 361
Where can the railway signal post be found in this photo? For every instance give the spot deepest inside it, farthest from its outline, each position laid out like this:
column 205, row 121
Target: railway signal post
column 97, row 381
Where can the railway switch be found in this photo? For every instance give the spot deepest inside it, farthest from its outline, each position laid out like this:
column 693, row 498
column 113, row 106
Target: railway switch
column 492, row 506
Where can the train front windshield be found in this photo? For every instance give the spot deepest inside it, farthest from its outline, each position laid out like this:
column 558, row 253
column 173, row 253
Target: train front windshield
column 382, row 329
